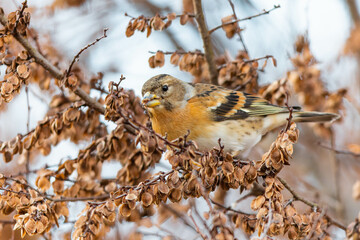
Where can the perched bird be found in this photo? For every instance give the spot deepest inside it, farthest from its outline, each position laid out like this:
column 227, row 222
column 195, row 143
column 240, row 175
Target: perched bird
column 211, row 112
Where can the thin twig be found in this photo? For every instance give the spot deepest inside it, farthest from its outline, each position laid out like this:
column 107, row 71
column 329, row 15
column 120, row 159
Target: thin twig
column 77, row 199
column 336, row 166
column 200, row 217
column 35, row 37
column 181, row 52
column 152, row 234
column 246, row 61
column 255, row 191
column 168, row 232
column 313, row 205
column 208, row 48
column 260, row 58
column 339, row 151
column 12, row 191
column 41, row 98
column 296, row 196
column 196, row 226
column 244, row 19
column 27, row 161
column 229, row 208
column 76, row 57
column 238, row 32
column 335, row 222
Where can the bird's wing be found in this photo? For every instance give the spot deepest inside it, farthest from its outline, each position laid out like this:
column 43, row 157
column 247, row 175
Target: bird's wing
column 226, row 104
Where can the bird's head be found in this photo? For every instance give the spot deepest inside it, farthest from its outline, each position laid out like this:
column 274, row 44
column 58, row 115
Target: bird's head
column 165, row 92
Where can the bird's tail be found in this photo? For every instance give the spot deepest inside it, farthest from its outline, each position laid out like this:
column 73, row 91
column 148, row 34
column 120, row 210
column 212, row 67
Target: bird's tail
column 314, row 117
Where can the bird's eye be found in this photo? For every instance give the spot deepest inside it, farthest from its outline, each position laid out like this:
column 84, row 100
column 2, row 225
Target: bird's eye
column 165, row 88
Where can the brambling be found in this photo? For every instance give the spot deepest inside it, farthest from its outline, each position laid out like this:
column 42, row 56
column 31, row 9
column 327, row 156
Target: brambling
column 211, row 112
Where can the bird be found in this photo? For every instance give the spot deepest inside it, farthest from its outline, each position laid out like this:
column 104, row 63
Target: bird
column 209, row 112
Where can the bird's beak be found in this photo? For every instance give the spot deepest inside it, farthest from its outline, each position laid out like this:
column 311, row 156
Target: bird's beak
column 150, row 100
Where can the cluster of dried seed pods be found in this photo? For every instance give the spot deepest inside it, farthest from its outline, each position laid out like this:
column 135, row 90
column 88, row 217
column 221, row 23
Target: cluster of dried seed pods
column 310, row 89
column 156, row 23
column 34, row 213
column 43, row 131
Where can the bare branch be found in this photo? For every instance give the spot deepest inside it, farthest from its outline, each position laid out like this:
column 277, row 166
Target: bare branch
column 208, row 48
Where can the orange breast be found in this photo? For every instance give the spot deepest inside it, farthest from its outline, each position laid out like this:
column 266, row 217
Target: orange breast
column 177, row 122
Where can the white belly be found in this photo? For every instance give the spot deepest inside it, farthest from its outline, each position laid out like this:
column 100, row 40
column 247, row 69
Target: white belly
column 234, row 137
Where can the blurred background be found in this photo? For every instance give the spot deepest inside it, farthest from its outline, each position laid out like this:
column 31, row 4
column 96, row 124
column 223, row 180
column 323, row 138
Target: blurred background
column 329, row 25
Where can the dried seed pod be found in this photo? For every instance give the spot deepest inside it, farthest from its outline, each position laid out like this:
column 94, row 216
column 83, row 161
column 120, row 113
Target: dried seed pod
column 159, row 59
column 257, row 202
column 184, row 18
column 174, row 59
column 146, row 199
column 230, row 29
column 152, row 62
column 23, row 71
column 124, row 210
column 227, row 168
column 129, row 30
